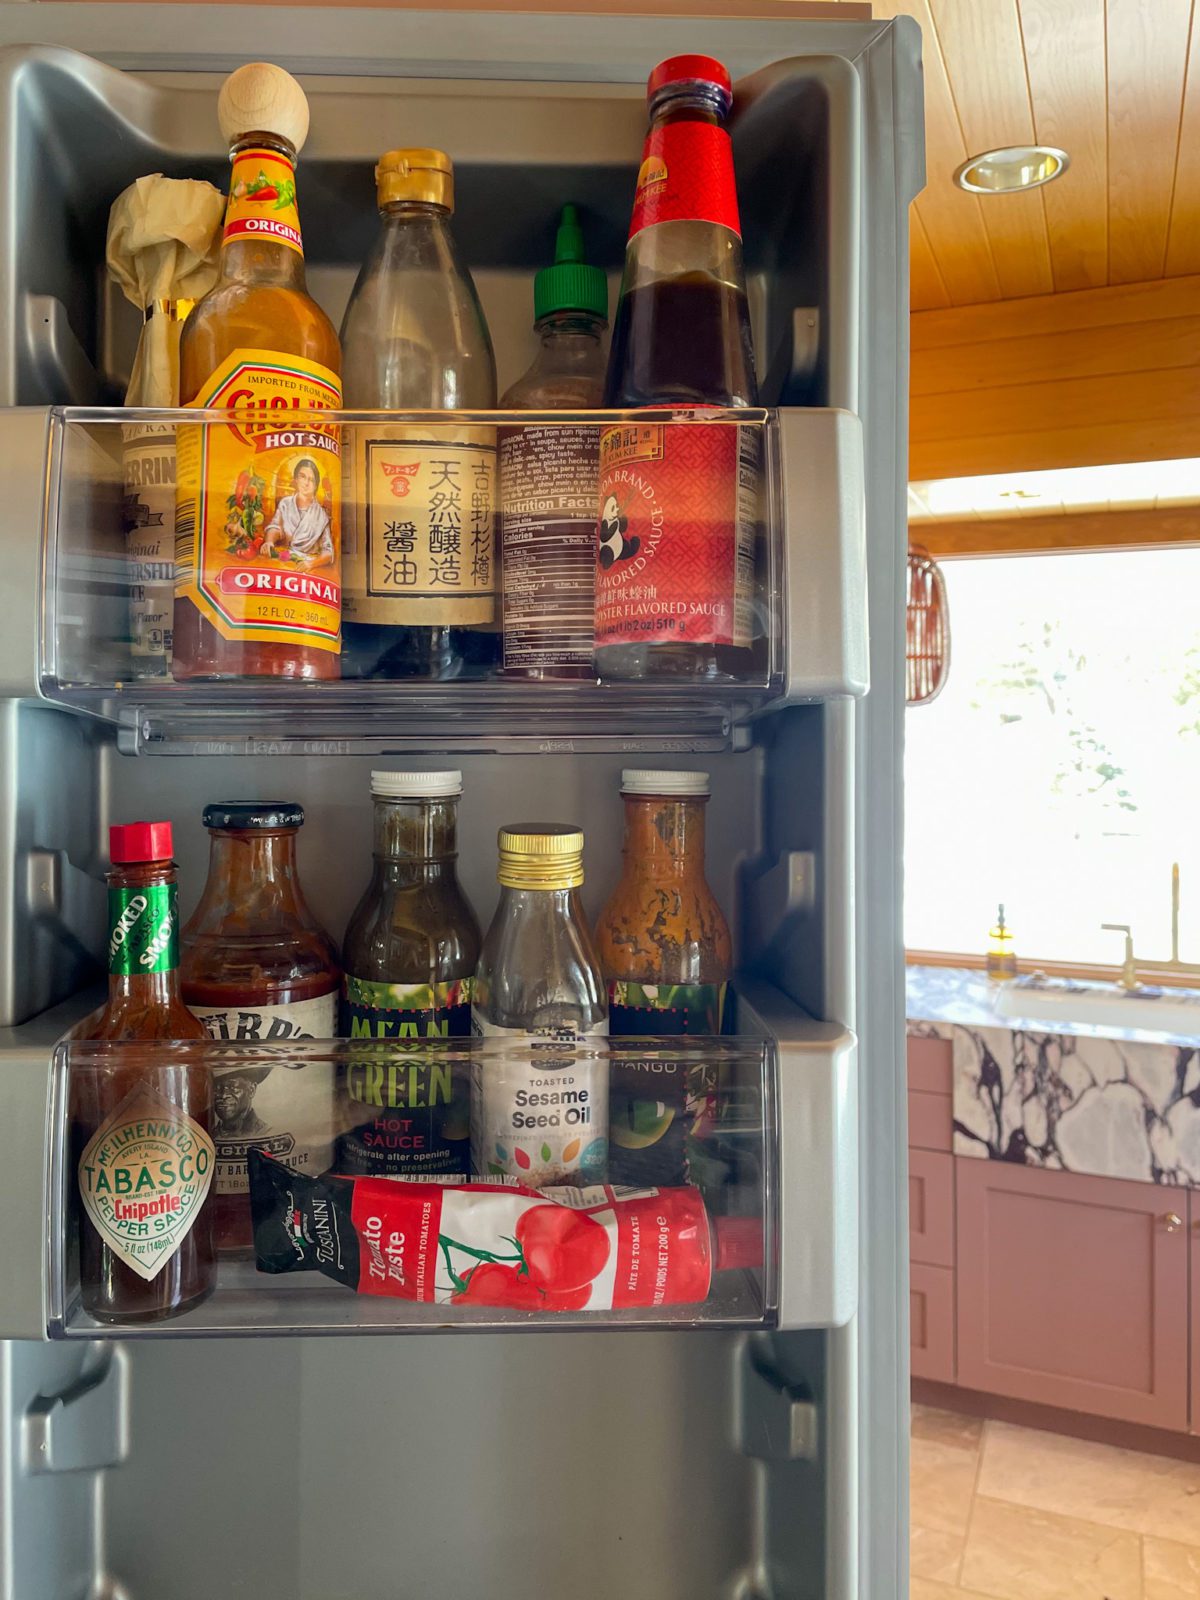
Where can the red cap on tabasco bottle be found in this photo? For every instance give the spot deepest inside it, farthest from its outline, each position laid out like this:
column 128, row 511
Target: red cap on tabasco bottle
column 139, row 841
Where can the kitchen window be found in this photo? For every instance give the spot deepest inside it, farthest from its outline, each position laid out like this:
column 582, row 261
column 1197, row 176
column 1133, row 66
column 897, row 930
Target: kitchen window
column 1059, row 769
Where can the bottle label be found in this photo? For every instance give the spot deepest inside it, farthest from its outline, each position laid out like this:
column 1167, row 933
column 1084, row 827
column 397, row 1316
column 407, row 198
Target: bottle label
column 404, row 1010
column 679, row 509
column 548, row 479
column 148, row 515
column 143, row 1177
column 420, row 533
column 257, row 516
column 654, row 1101
column 665, row 1008
column 285, row 1108
column 538, row 1114
column 686, row 176
column 488, row 1244
column 143, row 929
column 410, row 1110
column 262, row 200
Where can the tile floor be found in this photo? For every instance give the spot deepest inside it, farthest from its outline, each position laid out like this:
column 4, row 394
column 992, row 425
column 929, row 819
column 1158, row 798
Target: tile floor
column 1007, row 1513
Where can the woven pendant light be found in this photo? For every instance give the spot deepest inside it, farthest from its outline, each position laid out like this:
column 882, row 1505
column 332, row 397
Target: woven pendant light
column 928, row 635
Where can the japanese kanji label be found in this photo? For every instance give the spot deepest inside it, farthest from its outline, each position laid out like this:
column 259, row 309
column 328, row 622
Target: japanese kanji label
column 420, row 546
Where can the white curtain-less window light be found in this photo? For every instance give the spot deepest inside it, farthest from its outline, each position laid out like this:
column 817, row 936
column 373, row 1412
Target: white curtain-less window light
column 1059, row 770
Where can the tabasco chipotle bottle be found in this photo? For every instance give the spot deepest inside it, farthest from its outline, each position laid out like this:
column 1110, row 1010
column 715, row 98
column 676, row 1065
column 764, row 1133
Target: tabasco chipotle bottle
column 665, row 951
column 146, row 1168
column 257, row 520
column 679, row 504
column 259, row 968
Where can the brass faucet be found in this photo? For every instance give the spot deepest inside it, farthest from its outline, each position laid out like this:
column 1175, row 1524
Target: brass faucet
column 1129, row 977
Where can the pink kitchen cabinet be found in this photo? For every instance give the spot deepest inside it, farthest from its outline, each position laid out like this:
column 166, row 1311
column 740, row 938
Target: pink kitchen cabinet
column 1073, row 1291
column 931, row 1208
column 931, row 1322
column 1194, row 1250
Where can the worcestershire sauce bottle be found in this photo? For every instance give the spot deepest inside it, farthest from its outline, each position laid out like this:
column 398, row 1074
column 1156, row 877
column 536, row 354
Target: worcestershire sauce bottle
column 409, row 956
column 678, row 504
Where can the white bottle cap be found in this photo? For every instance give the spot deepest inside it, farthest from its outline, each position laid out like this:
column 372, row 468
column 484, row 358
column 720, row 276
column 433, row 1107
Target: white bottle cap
column 636, row 780
column 416, row 785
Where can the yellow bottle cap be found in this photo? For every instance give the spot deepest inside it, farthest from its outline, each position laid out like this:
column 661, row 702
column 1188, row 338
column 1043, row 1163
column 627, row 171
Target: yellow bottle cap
column 536, row 855
column 426, row 175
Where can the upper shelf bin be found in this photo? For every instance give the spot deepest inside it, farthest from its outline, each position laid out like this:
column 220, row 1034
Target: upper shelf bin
column 795, row 495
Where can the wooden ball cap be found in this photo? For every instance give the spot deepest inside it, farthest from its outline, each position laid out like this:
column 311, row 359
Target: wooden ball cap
column 261, row 98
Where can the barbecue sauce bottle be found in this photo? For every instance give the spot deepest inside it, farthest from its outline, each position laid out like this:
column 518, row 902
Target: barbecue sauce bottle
column 257, row 509
column 143, row 1121
column 678, row 505
column 258, row 967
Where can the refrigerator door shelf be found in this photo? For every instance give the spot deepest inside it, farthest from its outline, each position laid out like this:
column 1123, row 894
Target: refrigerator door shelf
column 770, row 1150
column 801, row 503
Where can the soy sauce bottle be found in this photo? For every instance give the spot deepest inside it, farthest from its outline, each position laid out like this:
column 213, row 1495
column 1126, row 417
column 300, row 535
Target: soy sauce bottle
column 678, row 542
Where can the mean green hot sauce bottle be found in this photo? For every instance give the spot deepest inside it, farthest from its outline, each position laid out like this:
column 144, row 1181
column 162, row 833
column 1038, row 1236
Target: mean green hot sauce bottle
column 409, row 955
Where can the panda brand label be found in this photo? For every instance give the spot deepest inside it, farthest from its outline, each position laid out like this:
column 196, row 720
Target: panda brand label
column 143, row 1178
column 548, row 482
column 540, row 1113
column 655, row 1101
column 284, row 1108
column 677, row 536
column 409, row 1109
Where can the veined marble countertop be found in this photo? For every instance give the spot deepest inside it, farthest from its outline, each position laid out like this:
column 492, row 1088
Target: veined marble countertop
column 1115, row 1103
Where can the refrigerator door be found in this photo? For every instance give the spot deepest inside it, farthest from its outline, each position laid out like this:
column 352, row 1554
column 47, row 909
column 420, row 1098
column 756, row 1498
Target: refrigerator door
column 700, row 1465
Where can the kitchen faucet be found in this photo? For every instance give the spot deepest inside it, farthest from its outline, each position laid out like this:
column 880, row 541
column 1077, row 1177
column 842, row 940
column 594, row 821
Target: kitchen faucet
column 1129, row 977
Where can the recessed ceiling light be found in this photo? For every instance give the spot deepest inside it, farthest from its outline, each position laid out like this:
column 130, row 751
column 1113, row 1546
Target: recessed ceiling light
column 1018, row 166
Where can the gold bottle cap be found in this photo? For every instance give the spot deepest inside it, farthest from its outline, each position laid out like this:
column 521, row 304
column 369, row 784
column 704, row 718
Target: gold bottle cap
column 537, row 855
column 263, row 98
column 426, row 175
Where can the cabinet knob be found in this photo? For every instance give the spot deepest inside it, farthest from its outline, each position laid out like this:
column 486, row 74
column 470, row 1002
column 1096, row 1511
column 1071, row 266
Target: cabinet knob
column 1172, row 1222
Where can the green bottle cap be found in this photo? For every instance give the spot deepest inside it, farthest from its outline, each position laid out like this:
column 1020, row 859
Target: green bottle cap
column 570, row 284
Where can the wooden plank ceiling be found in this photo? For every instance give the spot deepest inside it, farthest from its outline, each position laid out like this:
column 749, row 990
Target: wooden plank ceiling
column 1116, row 83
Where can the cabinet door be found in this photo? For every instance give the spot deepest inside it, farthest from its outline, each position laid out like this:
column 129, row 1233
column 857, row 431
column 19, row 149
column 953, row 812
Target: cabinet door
column 1072, row 1291
column 1194, row 1236
column 931, row 1322
column 931, row 1208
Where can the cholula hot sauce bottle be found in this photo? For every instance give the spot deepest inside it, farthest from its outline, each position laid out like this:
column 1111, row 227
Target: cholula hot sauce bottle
column 146, row 1168
column 258, row 503
column 678, row 505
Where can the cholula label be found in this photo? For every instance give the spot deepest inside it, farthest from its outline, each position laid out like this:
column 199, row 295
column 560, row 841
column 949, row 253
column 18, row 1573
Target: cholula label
column 143, row 1178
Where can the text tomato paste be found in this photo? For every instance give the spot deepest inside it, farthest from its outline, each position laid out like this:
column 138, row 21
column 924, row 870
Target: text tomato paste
column 496, row 1243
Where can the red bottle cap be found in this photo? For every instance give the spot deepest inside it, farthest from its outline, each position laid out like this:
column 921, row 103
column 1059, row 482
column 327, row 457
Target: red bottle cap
column 139, row 841
column 739, row 1242
column 688, row 69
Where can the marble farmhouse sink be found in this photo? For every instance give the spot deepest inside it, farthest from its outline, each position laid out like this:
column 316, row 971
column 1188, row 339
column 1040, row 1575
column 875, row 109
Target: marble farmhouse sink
column 1040, row 999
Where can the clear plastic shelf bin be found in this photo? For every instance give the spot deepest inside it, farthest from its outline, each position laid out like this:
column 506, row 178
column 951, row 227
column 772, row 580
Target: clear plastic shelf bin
column 801, row 613
column 688, row 1238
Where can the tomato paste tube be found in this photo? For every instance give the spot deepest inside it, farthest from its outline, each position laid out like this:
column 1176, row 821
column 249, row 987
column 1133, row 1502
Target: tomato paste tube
column 496, row 1243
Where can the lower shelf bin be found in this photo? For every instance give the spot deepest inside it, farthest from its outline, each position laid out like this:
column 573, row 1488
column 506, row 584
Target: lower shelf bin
column 720, row 1191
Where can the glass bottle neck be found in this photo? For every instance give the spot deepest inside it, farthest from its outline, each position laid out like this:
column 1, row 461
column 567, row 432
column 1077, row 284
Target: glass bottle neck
column 556, row 903
column 567, row 330
column 414, row 213
column 416, row 837
column 261, row 259
column 246, row 866
column 690, row 102
column 664, row 834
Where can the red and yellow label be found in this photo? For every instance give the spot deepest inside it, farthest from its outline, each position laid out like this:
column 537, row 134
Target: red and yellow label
column 258, row 504
column 686, row 176
column 262, row 200
column 676, row 549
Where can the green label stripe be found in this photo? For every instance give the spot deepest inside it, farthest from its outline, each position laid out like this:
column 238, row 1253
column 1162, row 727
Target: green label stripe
column 406, row 996
column 669, row 1007
column 143, row 929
